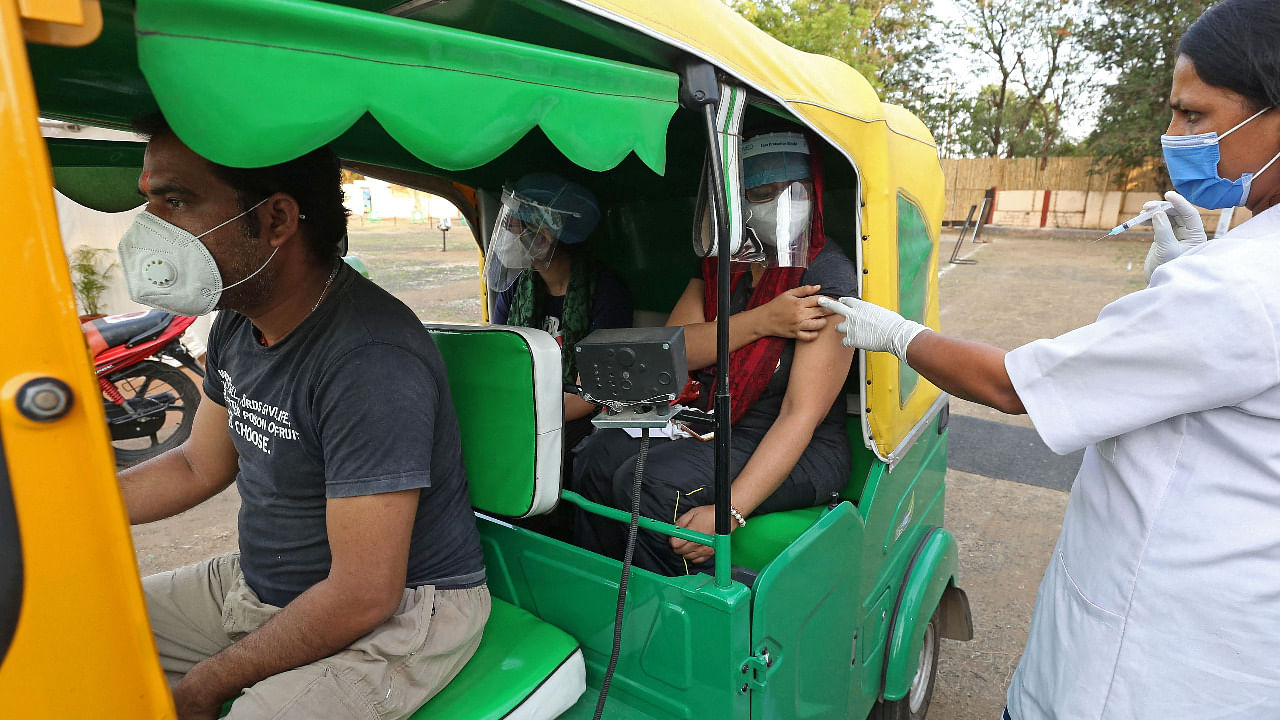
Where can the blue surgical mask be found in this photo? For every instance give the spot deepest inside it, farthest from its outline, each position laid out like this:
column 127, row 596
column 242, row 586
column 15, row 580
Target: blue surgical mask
column 1193, row 166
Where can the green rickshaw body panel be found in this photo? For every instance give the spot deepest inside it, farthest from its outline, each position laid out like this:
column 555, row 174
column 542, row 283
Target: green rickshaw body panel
column 935, row 567
column 684, row 640
column 296, row 74
column 804, row 619
column 900, row 508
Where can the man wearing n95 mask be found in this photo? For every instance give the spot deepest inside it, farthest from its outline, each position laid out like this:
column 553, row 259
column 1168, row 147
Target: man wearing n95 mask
column 359, row 582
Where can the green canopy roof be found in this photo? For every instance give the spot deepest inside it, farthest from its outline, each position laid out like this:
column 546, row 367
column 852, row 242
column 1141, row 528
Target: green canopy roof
column 98, row 174
column 252, row 84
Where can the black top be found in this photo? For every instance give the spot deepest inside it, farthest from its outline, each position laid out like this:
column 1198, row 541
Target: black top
column 355, row 401
column 610, row 305
column 838, row 278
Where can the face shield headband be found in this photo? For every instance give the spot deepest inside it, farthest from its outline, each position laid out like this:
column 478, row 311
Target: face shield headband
column 524, row 236
column 778, row 207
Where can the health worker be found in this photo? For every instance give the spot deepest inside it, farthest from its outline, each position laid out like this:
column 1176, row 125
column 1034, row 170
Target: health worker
column 1162, row 597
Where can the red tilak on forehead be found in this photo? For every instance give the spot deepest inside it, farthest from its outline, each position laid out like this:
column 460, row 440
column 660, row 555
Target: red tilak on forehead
column 144, row 182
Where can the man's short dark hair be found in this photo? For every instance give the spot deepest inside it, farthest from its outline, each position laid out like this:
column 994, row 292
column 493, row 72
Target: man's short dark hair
column 314, row 180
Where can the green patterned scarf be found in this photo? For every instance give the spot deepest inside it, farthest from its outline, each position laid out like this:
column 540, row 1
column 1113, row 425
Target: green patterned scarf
column 528, row 308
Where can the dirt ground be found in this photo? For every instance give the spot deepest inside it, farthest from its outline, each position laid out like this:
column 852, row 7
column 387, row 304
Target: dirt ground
column 1025, row 286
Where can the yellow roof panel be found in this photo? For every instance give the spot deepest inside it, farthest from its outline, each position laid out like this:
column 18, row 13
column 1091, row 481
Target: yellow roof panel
column 710, row 29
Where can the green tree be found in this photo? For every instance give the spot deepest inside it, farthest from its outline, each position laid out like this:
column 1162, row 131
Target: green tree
column 1033, row 50
column 977, row 126
column 890, row 42
column 1135, row 41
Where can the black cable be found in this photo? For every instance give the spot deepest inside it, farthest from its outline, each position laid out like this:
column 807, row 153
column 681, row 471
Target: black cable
column 632, row 531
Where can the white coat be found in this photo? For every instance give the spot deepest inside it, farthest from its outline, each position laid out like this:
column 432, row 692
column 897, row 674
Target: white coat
column 1162, row 598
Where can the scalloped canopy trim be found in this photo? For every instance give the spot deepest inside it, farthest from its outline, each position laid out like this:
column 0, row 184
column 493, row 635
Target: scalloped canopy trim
column 254, row 84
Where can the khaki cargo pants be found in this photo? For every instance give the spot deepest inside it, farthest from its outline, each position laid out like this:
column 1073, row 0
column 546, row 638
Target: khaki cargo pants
column 198, row 610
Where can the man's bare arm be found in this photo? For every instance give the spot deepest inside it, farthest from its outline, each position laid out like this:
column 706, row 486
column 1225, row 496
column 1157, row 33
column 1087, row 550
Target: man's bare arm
column 185, row 476
column 369, row 539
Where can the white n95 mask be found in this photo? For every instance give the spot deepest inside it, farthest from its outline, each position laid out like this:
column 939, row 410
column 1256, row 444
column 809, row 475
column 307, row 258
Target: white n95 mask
column 781, row 225
column 168, row 268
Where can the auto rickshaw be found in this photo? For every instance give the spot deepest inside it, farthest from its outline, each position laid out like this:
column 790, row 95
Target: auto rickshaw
column 828, row 612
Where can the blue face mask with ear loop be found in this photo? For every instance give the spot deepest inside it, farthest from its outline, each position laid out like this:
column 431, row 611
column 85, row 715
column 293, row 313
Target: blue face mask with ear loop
column 1193, row 167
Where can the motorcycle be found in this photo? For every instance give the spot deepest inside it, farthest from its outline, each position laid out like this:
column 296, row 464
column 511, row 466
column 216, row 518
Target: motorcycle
column 149, row 400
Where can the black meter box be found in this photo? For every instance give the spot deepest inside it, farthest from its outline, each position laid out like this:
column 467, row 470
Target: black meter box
column 633, row 365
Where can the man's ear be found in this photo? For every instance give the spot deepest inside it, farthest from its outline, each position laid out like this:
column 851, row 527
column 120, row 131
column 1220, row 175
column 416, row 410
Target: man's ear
column 280, row 218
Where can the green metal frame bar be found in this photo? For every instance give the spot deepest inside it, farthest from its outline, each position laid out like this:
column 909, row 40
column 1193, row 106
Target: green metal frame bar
column 647, row 523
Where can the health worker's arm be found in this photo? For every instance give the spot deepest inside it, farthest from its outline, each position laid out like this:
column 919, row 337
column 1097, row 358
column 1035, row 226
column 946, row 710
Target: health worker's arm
column 970, row 370
column 795, row 314
column 185, row 476
column 369, row 537
column 818, row 372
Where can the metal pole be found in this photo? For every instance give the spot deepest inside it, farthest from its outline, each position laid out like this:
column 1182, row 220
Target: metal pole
column 982, row 214
column 955, row 251
column 722, row 399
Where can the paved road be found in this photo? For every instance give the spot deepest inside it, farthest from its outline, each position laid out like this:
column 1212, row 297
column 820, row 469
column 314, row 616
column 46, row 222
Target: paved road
column 1008, row 452
column 1005, row 489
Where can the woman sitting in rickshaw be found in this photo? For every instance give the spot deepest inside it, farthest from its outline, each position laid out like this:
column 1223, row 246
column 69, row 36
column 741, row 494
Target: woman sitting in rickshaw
column 789, row 445
column 543, row 226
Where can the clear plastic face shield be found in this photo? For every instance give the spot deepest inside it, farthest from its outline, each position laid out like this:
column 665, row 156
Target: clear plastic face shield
column 777, row 203
column 778, row 222
column 524, row 237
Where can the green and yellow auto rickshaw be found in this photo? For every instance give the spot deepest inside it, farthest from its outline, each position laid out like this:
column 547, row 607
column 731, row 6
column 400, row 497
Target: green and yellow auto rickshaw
column 843, row 604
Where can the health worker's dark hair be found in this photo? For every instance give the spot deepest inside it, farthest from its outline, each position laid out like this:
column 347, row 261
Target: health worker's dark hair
column 313, row 180
column 1235, row 45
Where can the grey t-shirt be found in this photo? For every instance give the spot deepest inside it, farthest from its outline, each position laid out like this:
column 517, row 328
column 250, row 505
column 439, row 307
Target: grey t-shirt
column 355, row 401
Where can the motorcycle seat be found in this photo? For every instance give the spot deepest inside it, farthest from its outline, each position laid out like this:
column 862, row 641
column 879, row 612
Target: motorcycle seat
column 114, row 330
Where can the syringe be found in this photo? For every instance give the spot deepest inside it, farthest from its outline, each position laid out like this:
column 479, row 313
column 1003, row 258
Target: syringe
column 1144, row 216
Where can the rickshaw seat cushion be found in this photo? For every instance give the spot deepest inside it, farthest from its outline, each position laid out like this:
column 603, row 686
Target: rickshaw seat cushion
column 505, row 383
column 524, row 668
column 764, row 537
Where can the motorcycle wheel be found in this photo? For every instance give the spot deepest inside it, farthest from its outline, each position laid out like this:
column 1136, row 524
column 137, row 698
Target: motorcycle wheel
column 148, row 379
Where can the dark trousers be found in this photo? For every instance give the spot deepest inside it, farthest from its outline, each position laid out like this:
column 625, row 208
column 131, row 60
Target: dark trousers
column 679, row 475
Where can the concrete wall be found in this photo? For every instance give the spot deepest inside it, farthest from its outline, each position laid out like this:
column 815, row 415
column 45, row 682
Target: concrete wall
column 1097, row 210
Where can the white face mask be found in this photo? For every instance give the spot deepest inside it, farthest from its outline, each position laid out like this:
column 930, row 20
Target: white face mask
column 782, row 226
column 168, row 268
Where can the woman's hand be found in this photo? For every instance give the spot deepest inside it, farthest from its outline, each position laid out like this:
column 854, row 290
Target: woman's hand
column 700, row 519
column 793, row 314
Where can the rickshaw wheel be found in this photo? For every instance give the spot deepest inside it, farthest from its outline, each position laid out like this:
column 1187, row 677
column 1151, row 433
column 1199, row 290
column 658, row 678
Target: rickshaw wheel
column 916, row 704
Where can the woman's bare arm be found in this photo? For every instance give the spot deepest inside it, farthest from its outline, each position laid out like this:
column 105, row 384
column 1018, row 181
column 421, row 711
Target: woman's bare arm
column 793, row 314
column 818, row 373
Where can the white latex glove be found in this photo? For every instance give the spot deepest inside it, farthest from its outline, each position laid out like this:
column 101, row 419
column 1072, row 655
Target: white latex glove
column 1177, row 231
column 872, row 327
